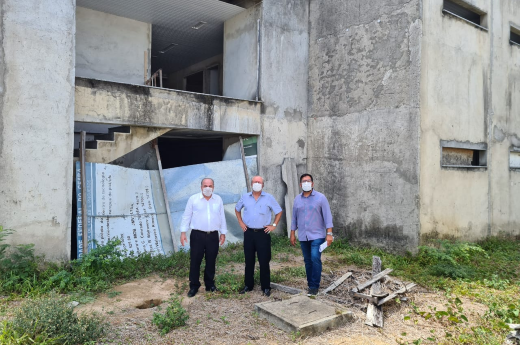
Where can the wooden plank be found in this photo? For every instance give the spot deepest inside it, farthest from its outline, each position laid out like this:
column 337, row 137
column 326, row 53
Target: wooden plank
column 286, row 289
column 163, row 185
column 393, row 295
column 246, row 173
column 337, row 282
column 84, row 220
column 374, row 311
column 514, row 326
column 363, row 296
column 336, row 299
column 374, row 279
column 145, row 67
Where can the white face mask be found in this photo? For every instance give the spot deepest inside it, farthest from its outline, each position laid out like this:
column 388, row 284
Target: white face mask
column 257, row 187
column 307, row 186
column 207, row 191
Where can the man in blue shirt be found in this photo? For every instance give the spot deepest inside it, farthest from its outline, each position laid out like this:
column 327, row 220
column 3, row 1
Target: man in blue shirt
column 256, row 223
column 313, row 220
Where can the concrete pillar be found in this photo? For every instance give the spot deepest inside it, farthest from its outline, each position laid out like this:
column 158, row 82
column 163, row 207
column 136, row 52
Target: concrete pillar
column 37, row 50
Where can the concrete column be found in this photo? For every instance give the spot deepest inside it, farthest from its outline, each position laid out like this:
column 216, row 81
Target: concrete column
column 37, row 50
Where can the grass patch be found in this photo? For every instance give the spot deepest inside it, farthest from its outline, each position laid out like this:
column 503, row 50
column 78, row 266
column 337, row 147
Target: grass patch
column 51, row 321
column 487, row 271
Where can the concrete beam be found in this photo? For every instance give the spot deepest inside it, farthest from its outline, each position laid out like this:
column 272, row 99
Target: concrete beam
column 106, row 102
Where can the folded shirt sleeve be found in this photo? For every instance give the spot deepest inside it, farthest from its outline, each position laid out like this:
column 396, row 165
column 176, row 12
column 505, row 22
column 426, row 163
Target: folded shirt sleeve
column 240, row 204
column 275, row 206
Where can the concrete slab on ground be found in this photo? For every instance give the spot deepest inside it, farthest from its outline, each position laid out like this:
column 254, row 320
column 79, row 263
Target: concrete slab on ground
column 304, row 315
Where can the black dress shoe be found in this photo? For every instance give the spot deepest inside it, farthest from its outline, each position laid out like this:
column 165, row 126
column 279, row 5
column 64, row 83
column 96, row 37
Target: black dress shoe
column 212, row 289
column 312, row 292
column 267, row 292
column 192, row 292
column 245, row 289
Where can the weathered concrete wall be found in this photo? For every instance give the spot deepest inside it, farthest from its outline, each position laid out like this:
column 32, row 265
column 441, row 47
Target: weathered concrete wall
column 283, row 90
column 459, row 94
column 176, row 80
column 283, row 81
column 364, row 117
column 240, row 54
column 110, row 47
column 36, row 122
column 504, row 129
column 124, row 104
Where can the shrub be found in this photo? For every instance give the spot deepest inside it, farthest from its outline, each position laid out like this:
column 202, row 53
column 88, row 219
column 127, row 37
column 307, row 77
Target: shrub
column 174, row 316
column 52, row 321
column 450, row 259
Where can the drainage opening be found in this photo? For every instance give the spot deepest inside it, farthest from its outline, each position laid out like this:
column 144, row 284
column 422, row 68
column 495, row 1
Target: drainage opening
column 148, row 304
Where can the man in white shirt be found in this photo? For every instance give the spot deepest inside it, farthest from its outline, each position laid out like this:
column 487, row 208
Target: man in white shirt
column 204, row 215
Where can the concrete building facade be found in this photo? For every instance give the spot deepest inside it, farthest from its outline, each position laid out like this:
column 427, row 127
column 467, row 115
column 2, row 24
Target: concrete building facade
column 406, row 112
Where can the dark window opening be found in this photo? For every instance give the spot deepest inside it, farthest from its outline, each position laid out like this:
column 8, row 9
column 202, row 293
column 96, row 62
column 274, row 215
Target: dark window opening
column 178, row 152
column 460, row 11
column 195, row 82
column 514, row 36
column 462, row 157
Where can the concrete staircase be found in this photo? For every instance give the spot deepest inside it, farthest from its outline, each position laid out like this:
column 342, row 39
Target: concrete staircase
column 118, row 142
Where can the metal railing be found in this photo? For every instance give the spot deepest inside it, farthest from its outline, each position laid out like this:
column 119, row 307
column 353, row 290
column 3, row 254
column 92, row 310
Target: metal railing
column 152, row 81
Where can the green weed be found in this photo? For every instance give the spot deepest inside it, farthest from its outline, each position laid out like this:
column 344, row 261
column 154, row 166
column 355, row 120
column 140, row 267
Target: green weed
column 52, row 321
column 175, row 316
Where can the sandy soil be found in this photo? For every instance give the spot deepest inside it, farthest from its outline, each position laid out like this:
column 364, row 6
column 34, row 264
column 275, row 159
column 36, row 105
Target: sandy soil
column 218, row 320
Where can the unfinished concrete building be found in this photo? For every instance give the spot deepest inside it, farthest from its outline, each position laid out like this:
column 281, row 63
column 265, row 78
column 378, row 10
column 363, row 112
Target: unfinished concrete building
column 406, row 112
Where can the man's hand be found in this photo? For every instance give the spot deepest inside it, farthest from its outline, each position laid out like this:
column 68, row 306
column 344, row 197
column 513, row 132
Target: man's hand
column 293, row 238
column 329, row 239
column 269, row 228
column 184, row 240
column 242, row 225
column 222, row 239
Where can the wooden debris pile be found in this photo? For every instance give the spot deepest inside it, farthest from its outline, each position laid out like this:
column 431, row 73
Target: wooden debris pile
column 365, row 290
column 514, row 336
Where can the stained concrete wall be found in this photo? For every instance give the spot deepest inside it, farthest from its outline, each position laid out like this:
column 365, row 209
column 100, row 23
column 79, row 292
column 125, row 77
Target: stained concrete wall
column 283, row 81
column 364, row 117
column 468, row 94
column 36, row 122
column 110, row 47
column 113, row 103
column 284, row 62
column 240, row 63
column 504, row 129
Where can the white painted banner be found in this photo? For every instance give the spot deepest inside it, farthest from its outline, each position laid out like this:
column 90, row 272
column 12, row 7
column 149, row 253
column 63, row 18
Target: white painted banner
column 126, row 204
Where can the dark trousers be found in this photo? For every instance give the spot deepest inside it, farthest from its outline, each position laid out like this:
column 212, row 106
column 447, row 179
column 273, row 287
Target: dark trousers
column 312, row 258
column 257, row 242
column 203, row 244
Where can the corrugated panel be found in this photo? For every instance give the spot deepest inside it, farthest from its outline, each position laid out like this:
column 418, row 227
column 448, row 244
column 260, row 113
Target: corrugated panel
column 462, row 11
column 172, row 22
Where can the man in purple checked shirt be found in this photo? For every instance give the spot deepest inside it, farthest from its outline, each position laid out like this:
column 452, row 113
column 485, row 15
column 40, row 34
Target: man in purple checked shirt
column 313, row 220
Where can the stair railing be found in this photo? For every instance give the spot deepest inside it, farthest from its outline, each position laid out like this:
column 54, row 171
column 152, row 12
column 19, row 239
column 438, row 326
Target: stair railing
column 152, row 81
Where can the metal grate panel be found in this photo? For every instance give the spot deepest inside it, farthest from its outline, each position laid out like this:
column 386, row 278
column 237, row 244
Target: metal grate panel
column 172, row 22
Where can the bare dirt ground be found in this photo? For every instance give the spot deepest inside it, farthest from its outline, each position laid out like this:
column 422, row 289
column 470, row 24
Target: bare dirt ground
column 215, row 319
